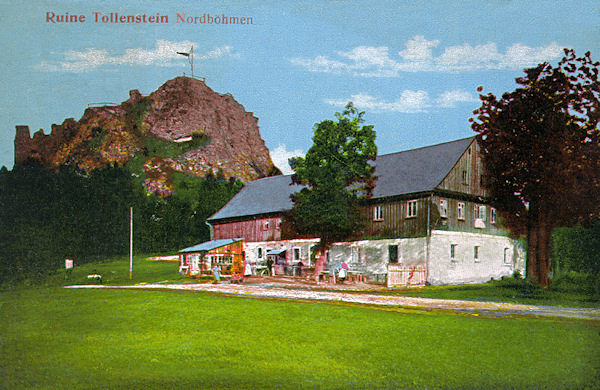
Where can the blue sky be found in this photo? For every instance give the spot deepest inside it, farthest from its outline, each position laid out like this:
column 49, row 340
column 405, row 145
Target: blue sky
column 412, row 66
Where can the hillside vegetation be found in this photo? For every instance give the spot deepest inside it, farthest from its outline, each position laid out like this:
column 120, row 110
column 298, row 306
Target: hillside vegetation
column 47, row 217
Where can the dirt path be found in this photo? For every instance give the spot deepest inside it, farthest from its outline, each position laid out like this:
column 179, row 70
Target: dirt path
column 284, row 290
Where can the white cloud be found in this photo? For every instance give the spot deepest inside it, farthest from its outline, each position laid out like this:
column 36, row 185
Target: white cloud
column 419, row 49
column 280, row 156
column 521, row 56
column 409, row 102
column 451, row 98
column 164, row 53
column 467, row 57
column 321, row 64
column 368, row 61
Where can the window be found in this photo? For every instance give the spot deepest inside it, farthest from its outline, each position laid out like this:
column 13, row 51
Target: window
column 265, row 225
column 411, row 210
column 443, row 208
column 465, row 177
column 507, row 256
column 481, row 212
column 279, row 224
column 297, row 253
column 259, row 253
column 377, row 213
column 476, row 253
column 228, row 260
column 393, row 253
column 460, row 210
column 493, row 215
column 355, row 259
column 453, row 251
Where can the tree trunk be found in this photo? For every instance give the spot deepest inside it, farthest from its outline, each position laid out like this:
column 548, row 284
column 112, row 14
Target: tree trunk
column 539, row 253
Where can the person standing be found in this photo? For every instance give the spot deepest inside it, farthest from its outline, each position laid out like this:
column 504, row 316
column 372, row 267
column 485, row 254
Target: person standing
column 247, row 271
column 343, row 273
column 216, row 270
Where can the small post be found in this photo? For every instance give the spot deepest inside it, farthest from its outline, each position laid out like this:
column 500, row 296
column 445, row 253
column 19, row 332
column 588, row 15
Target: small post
column 130, row 241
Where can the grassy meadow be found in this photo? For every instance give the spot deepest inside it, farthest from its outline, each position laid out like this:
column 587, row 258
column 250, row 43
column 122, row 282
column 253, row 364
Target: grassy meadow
column 51, row 337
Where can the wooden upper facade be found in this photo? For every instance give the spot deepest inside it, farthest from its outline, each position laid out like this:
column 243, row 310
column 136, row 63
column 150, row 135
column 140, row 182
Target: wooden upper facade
column 436, row 187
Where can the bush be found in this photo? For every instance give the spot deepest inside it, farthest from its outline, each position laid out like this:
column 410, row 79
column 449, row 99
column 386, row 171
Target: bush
column 577, row 282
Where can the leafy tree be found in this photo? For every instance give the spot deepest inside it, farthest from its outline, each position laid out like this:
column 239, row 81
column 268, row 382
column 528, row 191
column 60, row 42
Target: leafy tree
column 540, row 146
column 337, row 174
column 46, row 216
column 577, row 249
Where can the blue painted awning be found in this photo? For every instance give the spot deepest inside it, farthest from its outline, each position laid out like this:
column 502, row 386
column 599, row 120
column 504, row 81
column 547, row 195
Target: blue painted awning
column 210, row 245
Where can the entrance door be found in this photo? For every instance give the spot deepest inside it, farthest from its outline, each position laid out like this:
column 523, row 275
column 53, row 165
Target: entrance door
column 193, row 261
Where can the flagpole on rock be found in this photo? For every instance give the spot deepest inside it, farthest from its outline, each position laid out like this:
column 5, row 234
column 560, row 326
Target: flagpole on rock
column 189, row 55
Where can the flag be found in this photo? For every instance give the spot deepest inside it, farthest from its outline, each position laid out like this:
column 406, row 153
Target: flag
column 183, row 54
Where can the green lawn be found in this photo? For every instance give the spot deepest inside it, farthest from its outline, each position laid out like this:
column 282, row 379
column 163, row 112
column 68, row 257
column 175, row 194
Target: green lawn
column 52, row 337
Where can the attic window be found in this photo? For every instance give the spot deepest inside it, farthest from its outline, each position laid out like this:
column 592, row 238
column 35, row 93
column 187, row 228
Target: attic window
column 377, row 213
column 465, row 177
column 411, row 209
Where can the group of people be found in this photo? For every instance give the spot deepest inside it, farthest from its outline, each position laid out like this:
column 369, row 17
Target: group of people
column 321, row 265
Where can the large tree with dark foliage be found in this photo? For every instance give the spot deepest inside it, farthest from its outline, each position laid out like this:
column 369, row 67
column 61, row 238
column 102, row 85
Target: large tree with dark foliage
column 337, row 173
column 541, row 150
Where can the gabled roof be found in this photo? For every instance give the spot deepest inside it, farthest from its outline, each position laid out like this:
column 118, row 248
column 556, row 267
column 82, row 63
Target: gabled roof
column 262, row 196
column 412, row 171
column 210, row 245
column 417, row 170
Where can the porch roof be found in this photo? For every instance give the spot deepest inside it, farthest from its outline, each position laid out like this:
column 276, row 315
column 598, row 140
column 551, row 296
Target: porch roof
column 210, row 245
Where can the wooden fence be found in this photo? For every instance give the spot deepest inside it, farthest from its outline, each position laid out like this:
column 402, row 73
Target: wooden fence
column 403, row 276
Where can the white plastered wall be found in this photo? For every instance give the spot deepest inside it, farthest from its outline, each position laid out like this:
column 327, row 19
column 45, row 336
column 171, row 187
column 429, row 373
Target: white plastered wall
column 497, row 256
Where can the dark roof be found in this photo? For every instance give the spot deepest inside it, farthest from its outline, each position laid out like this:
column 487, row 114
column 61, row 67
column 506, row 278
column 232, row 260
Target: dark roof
column 262, row 196
column 210, row 245
column 402, row 173
column 417, row 170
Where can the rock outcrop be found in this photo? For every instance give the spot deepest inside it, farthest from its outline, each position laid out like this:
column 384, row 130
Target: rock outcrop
column 183, row 126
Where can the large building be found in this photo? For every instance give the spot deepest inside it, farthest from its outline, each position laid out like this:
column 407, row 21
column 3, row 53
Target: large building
column 428, row 220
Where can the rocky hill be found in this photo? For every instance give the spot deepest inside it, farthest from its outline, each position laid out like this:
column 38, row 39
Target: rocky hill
column 183, row 126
